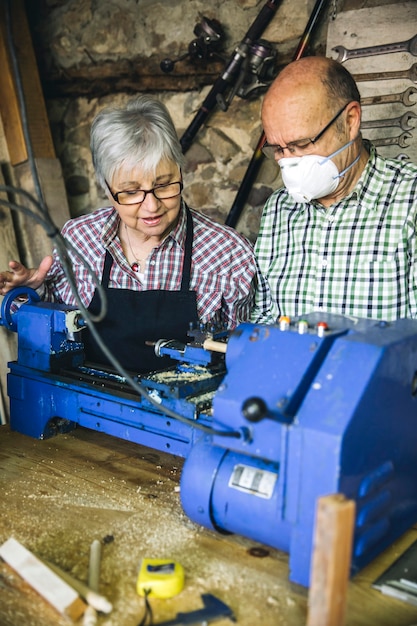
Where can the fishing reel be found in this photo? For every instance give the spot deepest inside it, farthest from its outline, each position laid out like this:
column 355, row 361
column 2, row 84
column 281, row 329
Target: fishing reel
column 258, row 70
column 209, row 38
column 256, row 64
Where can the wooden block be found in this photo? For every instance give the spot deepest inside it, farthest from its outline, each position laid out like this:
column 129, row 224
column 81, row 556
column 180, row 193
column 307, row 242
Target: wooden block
column 50, row 586
column 332, row 553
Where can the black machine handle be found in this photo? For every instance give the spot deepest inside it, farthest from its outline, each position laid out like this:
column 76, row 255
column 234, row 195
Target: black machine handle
column 257, row 158
column 229, row 74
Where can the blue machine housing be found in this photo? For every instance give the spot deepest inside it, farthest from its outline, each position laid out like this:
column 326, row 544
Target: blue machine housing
column 311, row 413
column 337, row 413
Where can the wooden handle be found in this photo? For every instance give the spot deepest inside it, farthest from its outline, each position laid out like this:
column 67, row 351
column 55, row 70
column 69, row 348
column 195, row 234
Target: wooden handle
column 215, row 346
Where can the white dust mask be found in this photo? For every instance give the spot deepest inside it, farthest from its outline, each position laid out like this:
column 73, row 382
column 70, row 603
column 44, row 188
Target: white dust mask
column 312, row 176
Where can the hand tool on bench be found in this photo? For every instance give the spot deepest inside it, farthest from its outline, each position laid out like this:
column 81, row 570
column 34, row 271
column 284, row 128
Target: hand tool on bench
column 214, row 609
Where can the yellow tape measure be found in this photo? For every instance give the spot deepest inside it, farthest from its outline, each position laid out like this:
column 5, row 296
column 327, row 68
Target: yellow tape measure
column 160, row 578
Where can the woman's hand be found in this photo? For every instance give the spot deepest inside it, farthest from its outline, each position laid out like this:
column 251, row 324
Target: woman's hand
column 18, row 275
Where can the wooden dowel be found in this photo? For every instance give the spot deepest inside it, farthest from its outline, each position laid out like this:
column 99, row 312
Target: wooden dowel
column 90, row 615
column 214, row 346
column 335, row 520
column 94, row 565
column 94, row 599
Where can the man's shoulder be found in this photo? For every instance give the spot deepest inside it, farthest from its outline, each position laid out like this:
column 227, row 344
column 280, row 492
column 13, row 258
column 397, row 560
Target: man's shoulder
column 394, row 167
column 280, row 199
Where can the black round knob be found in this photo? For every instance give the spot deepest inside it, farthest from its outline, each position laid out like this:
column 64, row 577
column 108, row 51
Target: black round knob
column 254, row 409
column 167, row 65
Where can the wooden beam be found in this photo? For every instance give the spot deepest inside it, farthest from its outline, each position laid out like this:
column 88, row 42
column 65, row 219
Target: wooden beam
column 9, row 107
column 139, row 74
column 38, row 123
column 335, row 519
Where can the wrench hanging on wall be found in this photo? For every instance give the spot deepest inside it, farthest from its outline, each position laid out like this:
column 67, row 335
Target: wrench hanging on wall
column 400, row 140
column 388, row 98
column 403, row 121
column 343, row 54
column 408, row 74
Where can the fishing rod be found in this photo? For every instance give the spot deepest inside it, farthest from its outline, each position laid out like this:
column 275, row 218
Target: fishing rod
column 230, row 74
column 257, row 158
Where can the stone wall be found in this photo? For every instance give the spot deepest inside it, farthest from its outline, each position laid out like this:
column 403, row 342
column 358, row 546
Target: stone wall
column 111, row 49
column 73, row 34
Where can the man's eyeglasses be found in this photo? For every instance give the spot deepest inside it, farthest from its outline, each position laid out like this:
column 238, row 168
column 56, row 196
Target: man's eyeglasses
column 272, row 151
column 137, row 196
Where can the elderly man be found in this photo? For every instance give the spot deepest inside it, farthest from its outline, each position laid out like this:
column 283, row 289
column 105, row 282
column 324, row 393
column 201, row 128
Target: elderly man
column 340, row 236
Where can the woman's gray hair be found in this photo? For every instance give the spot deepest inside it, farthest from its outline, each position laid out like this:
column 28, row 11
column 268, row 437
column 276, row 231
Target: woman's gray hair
column 140, row 134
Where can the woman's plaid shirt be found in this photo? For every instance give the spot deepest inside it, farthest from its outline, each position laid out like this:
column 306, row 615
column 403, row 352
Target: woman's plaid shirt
column 224, row 272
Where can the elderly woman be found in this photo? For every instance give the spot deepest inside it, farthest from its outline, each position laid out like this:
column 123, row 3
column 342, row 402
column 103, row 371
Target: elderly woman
column 162, row 265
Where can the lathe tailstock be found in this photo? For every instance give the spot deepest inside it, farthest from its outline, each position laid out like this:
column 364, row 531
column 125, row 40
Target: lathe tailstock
column 293, row 412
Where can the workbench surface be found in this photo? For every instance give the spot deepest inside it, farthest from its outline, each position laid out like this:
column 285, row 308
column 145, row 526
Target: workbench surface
column 60, row 494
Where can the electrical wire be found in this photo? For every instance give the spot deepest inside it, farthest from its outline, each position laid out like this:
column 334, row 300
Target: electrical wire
column 22, row 103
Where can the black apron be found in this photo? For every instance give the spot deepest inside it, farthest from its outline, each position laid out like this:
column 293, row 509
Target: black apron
column 136, row 317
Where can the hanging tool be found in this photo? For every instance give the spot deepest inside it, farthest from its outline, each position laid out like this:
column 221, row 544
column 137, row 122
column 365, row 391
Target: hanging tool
column 230, row 73
column 409, row 74
column 399, row 140
column 257, row 157
column 209, row 37
column 388, row 98
column 403, row 121
column 343, row 54
column 214, row 609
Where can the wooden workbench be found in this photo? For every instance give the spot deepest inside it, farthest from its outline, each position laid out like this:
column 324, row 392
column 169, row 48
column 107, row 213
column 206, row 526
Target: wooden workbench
column 60, row 494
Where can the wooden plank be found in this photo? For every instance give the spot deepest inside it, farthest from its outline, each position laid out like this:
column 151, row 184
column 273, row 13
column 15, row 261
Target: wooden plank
column 90, row 595
column 46, row 582
column 33, row 241
column 37, row 117
column 333, row 538
column 9, row 106
column 8, row 340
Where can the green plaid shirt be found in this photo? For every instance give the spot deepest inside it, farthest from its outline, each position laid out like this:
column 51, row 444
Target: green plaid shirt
column 357, row 257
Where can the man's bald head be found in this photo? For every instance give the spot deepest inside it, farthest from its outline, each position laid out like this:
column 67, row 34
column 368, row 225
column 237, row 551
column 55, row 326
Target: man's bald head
column 325, row 77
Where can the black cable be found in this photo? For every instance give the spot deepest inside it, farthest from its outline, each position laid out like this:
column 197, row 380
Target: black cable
column 22, row 104
column 62, row 246
column 148, row 611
